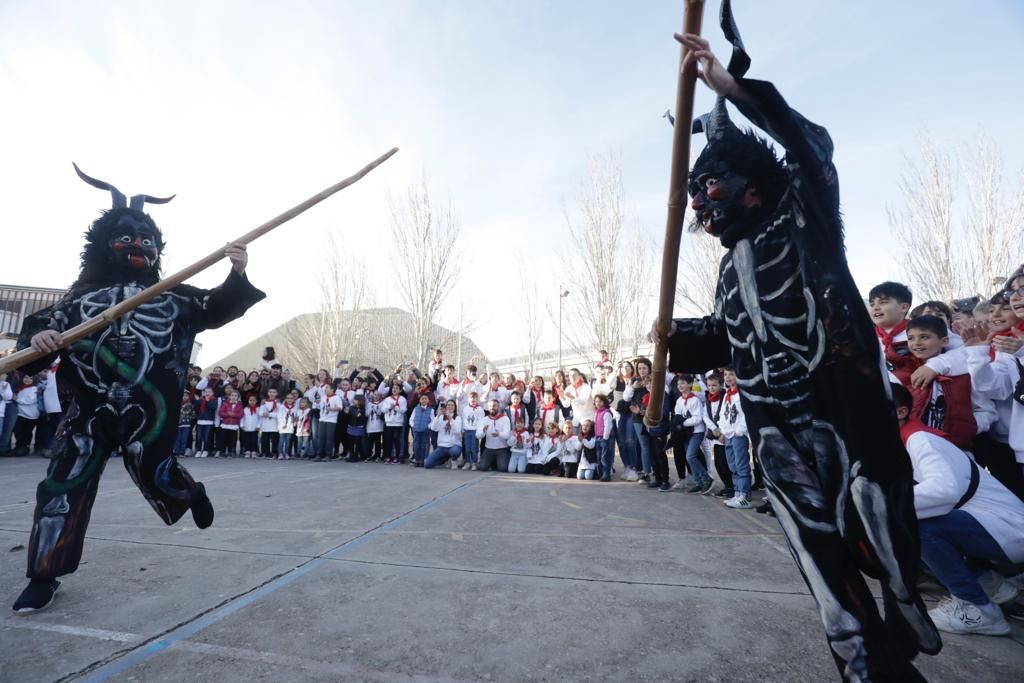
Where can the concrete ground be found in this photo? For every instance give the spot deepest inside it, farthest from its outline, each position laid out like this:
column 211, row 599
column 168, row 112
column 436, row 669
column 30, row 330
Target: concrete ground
column 367, row 572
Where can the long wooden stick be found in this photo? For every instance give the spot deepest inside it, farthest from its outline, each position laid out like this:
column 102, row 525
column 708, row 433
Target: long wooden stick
column 97, row 323
column 677, row 200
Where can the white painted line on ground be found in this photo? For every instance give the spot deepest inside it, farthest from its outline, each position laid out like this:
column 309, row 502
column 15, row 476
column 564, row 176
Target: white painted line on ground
column 28, row 623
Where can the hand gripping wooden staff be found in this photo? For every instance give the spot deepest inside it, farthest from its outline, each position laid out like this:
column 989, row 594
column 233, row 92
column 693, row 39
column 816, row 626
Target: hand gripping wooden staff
column 97, row 323
column 677, row 200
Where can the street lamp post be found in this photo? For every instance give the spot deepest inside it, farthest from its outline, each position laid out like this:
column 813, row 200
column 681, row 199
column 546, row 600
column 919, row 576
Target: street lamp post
column 562, row 293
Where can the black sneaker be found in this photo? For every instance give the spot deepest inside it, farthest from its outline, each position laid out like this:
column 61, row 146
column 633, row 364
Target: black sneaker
column 726, row 493
column 606, row 478
column 764, row 507
column 654, row 485
column 202, row 508
column 38, row 595
column 665, row 487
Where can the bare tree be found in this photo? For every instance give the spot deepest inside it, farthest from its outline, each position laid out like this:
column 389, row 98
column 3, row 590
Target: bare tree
column 317, row 340
column 640, row 261
column 424, row 257
column 528, row 312
column 698, row 274
column 951, row 250
column 603, row 269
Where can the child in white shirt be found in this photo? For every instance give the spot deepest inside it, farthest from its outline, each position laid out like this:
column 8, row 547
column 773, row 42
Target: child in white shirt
column 268, row 424
column 571, row 450
column 519, row 442
column 588, row 450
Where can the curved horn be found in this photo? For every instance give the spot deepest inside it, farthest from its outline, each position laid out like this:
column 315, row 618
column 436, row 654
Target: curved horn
column 716, row 124
column 139, row 199
column 119, row 200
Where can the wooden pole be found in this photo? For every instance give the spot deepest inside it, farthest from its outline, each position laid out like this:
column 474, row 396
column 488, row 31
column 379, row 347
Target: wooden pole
column 677, row 200
column 97, row 323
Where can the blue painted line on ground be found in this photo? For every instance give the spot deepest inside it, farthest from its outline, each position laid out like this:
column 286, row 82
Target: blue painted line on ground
column 188, row 630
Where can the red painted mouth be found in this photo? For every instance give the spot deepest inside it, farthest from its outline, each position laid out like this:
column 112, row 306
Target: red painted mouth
column 137, row 262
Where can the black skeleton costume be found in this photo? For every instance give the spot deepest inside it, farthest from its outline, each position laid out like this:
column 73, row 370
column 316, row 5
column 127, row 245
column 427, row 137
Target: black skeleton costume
column 790, row 320
column 127, row 381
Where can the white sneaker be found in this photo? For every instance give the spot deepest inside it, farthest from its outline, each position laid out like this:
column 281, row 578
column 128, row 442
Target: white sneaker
column 740, row 502
column 625, row 474
column 679, row 485
column 729, row 500
column 631, row 475
column 998, row 589
column 954, row 615
column 189, row 453
column 451, row 464
column 473, row 467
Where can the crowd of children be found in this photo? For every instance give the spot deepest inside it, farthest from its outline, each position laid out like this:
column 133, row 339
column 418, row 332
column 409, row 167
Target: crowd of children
column 957, row 386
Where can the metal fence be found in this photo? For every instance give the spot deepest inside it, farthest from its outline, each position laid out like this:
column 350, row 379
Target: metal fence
column 18, row 302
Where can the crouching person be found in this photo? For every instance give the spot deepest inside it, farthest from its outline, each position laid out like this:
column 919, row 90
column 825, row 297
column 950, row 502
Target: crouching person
column 967, row 520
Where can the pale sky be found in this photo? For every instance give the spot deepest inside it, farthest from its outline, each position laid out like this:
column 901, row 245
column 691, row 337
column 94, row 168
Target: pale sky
column 245, row 108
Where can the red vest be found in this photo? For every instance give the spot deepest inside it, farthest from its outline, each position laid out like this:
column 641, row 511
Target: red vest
column 959, row 425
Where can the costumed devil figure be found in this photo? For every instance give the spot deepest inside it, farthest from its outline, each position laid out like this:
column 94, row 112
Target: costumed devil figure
column 789, row 319
column 126, row 380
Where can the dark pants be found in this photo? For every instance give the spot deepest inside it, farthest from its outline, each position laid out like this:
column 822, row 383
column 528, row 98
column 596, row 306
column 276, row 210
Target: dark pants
column 24, row 432
column 7, row 425
column 553, row 466
column 268, row 444
column 392, row 443
column 324, row 446
column 250, row 442
column 420, row 445
column 375, row 440
column 204, row 437
column 570, row 468
column 359, row 445
column 534, row 468
column 952, row 540
column 64, row 499
column 722, row 465
column 1002, row 463
column 183, row 440
column 659, row 459
column 494, row 459
column 226, row 440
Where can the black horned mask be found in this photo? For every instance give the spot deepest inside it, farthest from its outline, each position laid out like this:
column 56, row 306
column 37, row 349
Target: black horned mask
column 123, row 244
column 736, row 167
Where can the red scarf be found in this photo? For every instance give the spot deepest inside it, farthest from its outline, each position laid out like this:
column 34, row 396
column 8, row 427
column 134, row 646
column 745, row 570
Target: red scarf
column 888, row 337
column 274, row 408
column 714, row 397
column 538, row 394
column 519, row 437
column 544, row 410
column 730, row 393
column 515, row 412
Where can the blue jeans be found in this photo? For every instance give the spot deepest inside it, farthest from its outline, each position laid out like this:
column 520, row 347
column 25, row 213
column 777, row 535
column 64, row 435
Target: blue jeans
column 471, row 447
column 441, row 454
column 585, row 474
column 325, row 439
column 305, row 447
column 420, row 445
column 737, row 452
column 698, row 471
column 517, row 462
column 204, row 442
column 605, row 457
column 626, row 438
column 284, row 444
column 181, row 441
column 947, row 542
column 644, row 442
column 10, row 417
